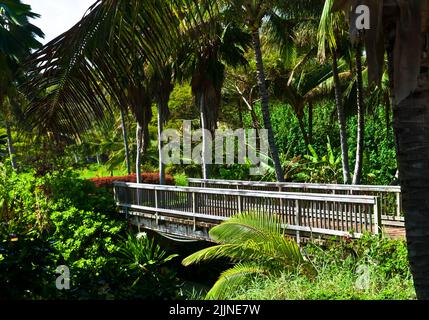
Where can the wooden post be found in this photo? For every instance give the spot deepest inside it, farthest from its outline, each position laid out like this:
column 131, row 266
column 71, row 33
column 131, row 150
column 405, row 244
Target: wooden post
column 156, row 207
column 194, row 210
column 377, row 216
column 297, row 220
column 240, row 207
column 399, row 204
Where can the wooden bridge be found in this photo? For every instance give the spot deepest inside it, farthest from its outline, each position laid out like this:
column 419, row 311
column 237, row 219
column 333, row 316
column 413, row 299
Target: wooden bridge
column 305, row 210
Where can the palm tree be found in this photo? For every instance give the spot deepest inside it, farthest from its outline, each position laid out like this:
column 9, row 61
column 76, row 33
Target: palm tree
column 329, row 30
column 403, row 27
column 223, row 44
column 68, row 77
column 18, row 39
column 357, row 176
column 256, row 243
column 161, row 87
column 125, row 139
column 253, row 13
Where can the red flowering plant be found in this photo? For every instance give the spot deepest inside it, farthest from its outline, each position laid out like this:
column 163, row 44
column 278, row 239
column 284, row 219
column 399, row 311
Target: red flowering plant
column 148, row 178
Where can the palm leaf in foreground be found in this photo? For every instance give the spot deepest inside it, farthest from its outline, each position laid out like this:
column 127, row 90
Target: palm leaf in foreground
column 232, row 279
column 255, row 242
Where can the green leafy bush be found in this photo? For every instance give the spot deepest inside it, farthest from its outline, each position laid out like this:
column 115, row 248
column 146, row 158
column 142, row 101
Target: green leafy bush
column 60, row 219
column 147, row 265
column 368, row 268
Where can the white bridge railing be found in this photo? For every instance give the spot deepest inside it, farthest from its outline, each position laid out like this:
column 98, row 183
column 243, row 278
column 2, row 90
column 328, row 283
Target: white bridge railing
column 390, row 197
column 310, row 213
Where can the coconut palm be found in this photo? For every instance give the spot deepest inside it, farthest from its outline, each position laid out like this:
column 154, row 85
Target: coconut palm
column 357, row 176
column 161, row 87
column 18, row 38
column 258, row 246
column 403, row 26
column 330, row 30
column 204, row 63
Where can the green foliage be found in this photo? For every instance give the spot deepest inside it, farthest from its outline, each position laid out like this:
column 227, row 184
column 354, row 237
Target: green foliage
column 257, row 246
column 60, row 219
column 147, row 265
column 181, row 180
column 88, row 242
column 3, row 146
column 321, row 169
column 340, row 267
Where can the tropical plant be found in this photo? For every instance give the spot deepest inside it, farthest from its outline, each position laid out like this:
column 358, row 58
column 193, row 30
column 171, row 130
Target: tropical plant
column 18, row 38
column 321, row 169
column 331, row 30
column 146, row 262
column 256, row 244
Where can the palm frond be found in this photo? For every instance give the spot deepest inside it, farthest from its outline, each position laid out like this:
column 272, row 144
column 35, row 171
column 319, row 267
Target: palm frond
column 258, row 227
column 234, row 279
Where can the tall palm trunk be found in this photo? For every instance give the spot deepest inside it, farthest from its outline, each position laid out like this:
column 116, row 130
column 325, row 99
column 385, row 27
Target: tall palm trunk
column 265, row 105
column 303, row 130
column 204, row 165
column 139, row 153
column 161, row 157
column 411, row 120
column 341, row 119
column 126, row 145
column 357, row 177
column 10, row 146
column 310, row 123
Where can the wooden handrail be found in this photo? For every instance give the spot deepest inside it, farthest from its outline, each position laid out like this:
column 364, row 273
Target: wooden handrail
column 315, row 186
column 254, row 193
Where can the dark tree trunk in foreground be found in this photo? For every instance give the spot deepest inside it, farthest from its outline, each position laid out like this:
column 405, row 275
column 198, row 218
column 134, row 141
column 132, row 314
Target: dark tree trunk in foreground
column 10, row 146
column 265, row 106
column 411, row 119
column 357, row 177
column 341, row 120
column 126, row 145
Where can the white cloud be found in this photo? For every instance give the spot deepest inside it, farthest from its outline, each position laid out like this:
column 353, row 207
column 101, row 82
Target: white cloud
column 58, row 16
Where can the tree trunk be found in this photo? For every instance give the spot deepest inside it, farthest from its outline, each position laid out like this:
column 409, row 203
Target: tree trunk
column 126, row 145
column 161, row 158
column 357, row 177
column 412, row 128
column 204, row 165
column 265, row 105
column 303, row 130
column 341, row 120
column 310, row 123
column 139, row 139
column 10, row 146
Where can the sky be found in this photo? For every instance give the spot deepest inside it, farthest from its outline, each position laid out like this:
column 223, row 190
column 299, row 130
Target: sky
column 57, row 16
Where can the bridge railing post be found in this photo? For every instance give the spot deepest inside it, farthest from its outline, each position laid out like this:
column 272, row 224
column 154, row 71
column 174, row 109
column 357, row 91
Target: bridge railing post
column 399, row 204
column 298, row 220
column 240, row 204
column 377, row 216
column 194, row 209
column 156, row 207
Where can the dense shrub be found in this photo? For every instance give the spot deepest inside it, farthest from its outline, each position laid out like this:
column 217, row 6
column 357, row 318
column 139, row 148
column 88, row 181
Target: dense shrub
column 56, row 220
